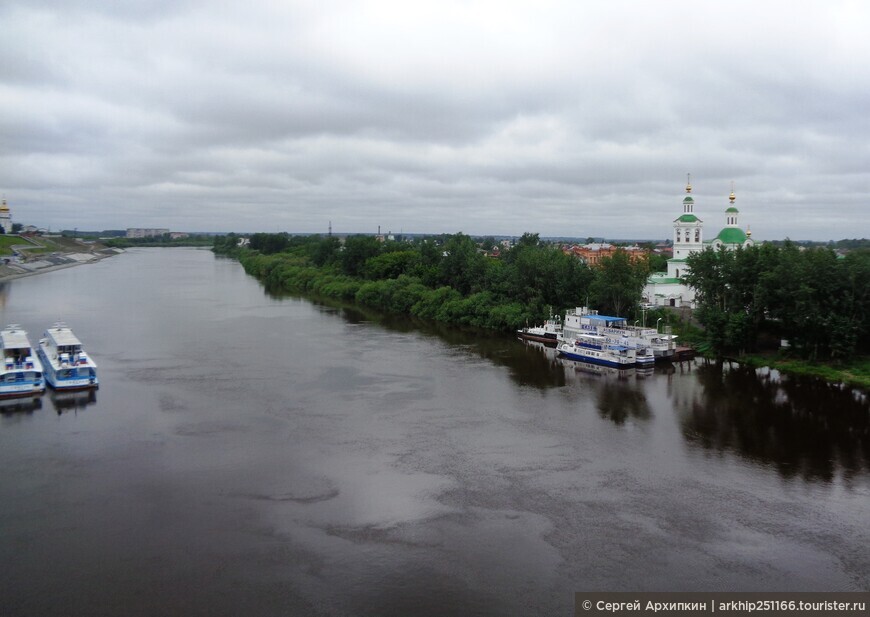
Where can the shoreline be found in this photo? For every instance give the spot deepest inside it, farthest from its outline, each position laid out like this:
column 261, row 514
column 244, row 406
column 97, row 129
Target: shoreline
column 94, row 257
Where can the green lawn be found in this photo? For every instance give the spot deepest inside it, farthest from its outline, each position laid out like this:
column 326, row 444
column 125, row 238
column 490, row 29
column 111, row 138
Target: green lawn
column 854, row 373
column 42, row 245
column 6, row 243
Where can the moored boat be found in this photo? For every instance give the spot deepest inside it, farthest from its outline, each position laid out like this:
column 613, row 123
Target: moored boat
column 617, row 331
column 21, row 372
column 67, row 366
column 548, row 334
column 596, row 349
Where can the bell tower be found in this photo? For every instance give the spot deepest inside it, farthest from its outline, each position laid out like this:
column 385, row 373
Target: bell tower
column 688, row 228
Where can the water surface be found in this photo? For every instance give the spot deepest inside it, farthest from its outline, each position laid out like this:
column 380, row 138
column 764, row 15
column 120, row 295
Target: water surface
column 252, row 454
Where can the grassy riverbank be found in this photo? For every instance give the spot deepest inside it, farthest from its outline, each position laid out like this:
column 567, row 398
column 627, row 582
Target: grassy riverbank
column 404, row 294
column 39, row 245
column 449, row 280
column 855, row 373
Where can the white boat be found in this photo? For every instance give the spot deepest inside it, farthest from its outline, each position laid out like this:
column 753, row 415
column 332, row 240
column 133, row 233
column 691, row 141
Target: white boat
column 617, row 331
column 598, row 350
column 67, row 366
column 548, row 334
column 21, row 374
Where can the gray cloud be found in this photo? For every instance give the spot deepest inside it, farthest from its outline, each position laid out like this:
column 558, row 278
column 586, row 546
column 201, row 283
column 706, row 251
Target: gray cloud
column 562, row 118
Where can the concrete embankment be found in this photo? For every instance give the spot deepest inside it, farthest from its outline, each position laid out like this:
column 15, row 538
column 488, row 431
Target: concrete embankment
column 49, row 263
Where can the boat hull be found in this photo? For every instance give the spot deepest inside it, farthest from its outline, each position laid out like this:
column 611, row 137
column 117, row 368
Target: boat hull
column 581, row 357
column 546, row 340
column 27, row 388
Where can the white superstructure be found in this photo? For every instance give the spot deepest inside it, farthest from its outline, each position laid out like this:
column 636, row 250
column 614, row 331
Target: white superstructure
column 648, row 343
column 21, row 372
column 67, row 366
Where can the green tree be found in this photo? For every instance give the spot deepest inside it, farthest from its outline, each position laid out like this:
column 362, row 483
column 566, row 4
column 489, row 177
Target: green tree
column 325, row 250
column 357, row 250
column 391, row 265
column 462, row 266
column 618, row 283
column 269, row 244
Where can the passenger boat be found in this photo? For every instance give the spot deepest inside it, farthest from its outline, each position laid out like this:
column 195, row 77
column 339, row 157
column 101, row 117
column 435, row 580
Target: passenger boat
column 644, row 357
column 585, row 321
column 548, row 334
column 598, row 350
column 21, row 374
column 67, row 366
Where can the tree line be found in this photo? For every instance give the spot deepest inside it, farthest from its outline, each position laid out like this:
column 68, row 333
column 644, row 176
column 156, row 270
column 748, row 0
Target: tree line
column 816, row 300
column 447, row 278
column 748, row 298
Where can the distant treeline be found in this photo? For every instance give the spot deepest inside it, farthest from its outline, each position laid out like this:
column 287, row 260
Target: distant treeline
column 817, row 300
column 447, row 278
column 162, row 240
column 847, row 244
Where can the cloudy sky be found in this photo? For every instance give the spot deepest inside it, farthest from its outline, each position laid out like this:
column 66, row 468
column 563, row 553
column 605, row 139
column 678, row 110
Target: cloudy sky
column 564, row 118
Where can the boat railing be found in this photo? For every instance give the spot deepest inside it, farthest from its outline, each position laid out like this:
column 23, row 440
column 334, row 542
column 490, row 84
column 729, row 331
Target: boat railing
column 12, row 364
column 67, row 360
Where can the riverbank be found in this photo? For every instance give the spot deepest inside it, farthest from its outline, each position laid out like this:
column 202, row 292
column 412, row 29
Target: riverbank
column 52, row 262
column 855, row 373
column 506, row 297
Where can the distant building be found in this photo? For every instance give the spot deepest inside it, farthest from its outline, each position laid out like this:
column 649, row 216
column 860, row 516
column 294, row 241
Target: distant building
column 664, row 249
column 667, row 288
column 140, row 232
column 594, row 252
column 5, row 218
column 177, row 235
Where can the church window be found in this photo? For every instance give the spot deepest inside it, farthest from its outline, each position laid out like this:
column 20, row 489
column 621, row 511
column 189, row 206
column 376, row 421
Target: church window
column 697, row 235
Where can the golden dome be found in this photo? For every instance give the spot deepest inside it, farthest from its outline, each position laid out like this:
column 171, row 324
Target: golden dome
column 748, row 232
column 732, row 197
column 4, row 207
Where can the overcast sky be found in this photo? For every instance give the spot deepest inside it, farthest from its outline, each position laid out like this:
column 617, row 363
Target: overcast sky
column 564, row 118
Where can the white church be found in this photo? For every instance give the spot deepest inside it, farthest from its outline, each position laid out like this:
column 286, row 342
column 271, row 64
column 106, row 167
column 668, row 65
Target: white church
column 666, row 288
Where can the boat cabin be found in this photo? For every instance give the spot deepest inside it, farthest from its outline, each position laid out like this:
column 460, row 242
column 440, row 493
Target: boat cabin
column 16, row 349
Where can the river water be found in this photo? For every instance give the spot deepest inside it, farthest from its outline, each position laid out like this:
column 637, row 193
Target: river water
column 251, row 454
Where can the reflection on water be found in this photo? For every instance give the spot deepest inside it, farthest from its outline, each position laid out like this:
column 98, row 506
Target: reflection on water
column 803, row 426
column 619, row 402
column 20, row 406
column 618, row 395
column 62, row 402
column 72, row 401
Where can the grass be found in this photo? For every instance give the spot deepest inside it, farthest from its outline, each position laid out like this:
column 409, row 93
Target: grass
column 853, row 373
column 40, row 245
column 7, row 242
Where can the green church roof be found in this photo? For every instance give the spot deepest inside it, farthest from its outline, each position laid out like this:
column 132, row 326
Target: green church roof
column 732, row 209
column 688, row 198
column 732, row 235
column 659, row 278
column 688, row 218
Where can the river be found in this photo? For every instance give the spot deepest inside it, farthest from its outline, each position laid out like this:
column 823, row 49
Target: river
column 260, row 455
